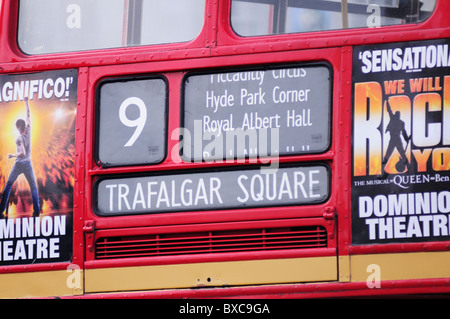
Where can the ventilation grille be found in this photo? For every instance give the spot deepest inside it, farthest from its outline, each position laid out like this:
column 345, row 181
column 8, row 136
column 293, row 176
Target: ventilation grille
column 211, row 242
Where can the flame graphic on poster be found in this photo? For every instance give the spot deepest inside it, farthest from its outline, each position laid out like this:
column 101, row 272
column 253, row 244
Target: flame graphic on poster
column 52, row 147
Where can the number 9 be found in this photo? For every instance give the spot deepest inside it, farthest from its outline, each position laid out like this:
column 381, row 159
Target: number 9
column 138, row 123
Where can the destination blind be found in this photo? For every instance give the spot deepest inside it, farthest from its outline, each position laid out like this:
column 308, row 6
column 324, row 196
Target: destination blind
column 225, row 189
column 256, row 113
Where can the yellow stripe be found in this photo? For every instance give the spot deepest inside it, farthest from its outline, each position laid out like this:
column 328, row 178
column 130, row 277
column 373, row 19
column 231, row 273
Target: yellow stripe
column 211, row 274
column 344, row 268
column 360, row 268
column 404, row 266
column 41, row 284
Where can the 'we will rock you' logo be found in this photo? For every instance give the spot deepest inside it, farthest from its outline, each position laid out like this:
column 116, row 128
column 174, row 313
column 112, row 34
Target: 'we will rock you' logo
column 407, row 130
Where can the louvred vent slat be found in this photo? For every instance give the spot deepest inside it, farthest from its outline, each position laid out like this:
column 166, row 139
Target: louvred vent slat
column 211, row 242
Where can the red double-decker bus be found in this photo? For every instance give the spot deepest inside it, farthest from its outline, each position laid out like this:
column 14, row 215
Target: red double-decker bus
column 227, row 148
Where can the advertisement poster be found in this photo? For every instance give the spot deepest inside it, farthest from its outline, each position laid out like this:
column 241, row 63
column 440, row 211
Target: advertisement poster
column 37, row 147
column 401, row 143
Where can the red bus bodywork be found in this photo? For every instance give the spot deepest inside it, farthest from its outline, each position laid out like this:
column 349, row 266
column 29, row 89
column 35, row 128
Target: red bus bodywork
column 338, row 269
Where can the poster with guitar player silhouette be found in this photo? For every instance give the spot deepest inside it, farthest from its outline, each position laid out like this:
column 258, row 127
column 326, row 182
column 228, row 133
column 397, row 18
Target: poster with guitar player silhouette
column 37, row 145
column 401, row 143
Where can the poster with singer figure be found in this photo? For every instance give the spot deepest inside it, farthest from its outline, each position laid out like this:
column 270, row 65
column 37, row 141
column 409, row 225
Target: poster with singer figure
column 401, row 143
column 37, row 147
